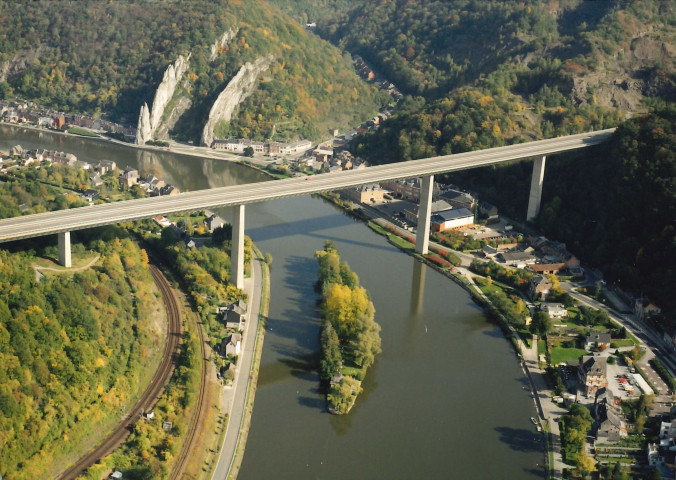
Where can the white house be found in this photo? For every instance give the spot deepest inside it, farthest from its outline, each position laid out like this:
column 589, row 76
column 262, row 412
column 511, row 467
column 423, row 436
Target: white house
column 554, row 310
column 231, row 346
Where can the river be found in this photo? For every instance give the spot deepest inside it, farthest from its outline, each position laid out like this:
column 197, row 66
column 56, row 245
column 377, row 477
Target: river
column 446, row 398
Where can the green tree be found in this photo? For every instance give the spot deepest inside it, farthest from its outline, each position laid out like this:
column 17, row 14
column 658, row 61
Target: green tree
column 331, row 359
column 540, row 324
column 248, row 151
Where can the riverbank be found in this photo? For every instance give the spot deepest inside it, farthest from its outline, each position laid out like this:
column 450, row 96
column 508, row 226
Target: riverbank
column 179, row 149
column 238, row 400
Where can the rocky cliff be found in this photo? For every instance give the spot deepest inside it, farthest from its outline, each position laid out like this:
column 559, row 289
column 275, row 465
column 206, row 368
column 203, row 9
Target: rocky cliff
column 166, row 89
column 221, row 42
column 143, row 130
column 238, row 89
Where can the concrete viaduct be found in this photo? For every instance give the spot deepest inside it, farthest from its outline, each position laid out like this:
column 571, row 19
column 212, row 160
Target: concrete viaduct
column 62, row 222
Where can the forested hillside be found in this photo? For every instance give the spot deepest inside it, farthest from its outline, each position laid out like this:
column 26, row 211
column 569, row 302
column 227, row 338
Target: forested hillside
column 310, row 11
column 483, row 74
column 74, row 350
column 109, row 57
column 614, row 205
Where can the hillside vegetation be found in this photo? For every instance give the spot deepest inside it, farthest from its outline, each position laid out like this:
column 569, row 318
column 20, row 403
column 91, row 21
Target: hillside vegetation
column 613, row 205
column 482, row 74
column 74, row 351
column 109, row 57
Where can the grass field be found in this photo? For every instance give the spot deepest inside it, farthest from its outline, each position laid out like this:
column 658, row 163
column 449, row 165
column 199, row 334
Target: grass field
column 82, row 132
column 562, row 355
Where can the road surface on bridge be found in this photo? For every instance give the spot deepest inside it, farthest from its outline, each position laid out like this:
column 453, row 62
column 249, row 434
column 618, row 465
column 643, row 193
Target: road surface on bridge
column 79, row 218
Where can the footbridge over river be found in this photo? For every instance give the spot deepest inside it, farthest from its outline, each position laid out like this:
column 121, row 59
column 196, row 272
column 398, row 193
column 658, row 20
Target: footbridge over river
column 62, row 222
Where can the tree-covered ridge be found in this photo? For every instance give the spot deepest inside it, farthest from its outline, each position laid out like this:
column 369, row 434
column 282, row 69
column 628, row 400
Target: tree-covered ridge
column 350, row 337
column 613, row 206
column 74, row 351
column 310, row 11
column 476, row 118
column 482, row 74
column 429, row 48
column 111, row 56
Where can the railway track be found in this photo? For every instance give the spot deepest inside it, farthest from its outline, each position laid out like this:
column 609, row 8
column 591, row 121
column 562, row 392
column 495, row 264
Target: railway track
column 191, row 435
column 151, row 393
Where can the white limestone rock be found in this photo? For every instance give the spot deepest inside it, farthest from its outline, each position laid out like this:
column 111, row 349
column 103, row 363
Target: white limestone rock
column 238, row 89
column 221, row 42
column 149, row 120
column 143, row 130
column 166, row 89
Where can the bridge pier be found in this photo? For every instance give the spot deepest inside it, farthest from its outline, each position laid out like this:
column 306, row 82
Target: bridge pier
column 536, row 188
column 237, row 247
column 64, row 249
column 422, row 239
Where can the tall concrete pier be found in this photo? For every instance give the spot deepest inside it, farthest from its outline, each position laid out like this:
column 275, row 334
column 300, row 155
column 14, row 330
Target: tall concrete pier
column 536, row 188
column 422, row 239
column 237, row 247
column 64, row 249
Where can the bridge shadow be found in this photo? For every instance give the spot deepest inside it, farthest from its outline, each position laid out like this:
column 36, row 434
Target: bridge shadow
column 308, row 227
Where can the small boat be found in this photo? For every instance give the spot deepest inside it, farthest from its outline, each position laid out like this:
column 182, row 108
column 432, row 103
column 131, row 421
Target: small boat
column 532, row 419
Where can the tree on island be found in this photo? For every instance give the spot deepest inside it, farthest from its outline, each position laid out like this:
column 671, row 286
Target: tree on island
column 342, row 396
column 350, row 336
column 331, row 357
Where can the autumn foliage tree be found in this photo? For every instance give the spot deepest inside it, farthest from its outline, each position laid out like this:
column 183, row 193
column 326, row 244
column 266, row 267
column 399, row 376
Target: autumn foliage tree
column 350, row 335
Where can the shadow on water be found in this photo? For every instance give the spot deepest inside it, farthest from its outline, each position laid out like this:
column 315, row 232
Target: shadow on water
column 308, row 227
column 300, row 366
column 494, row 332
column 315, row 403
column 299, row 321
column 520, row 439
column 302, row 226
column 538, row 470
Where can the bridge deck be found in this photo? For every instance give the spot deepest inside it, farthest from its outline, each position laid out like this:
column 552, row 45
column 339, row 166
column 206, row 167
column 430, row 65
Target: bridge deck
column 79, row 218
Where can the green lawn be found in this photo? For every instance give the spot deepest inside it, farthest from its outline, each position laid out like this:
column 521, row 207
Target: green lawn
column 625, row 342
column 354, row 372
column 82, row 132
column 562, row 355
column 395, row 239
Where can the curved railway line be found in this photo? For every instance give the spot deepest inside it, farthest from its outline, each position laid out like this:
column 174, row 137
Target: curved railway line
column 151, row 393
column 200, row 409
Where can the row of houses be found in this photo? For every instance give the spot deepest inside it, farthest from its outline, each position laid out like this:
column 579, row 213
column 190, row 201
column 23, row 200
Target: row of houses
column 151, row 184
column 233, row 316
column 551, row 257
column 29, row 113
column 41, row 155
column 238, row 145
column 367, row 73
column 323, row 160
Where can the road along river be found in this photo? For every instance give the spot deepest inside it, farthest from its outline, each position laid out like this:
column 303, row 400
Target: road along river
column 445, row 399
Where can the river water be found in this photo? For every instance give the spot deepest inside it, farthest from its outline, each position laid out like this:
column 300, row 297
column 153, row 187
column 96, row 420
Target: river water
column 446, row 399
